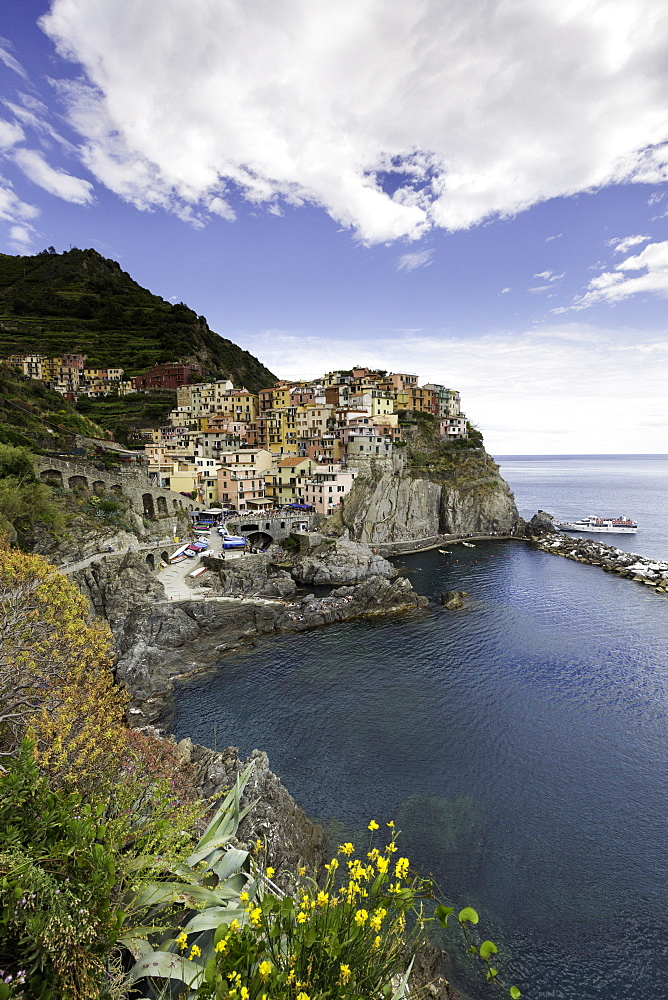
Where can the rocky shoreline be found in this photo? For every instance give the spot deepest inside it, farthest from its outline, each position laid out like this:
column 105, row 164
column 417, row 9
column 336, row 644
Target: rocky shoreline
column 159, row 642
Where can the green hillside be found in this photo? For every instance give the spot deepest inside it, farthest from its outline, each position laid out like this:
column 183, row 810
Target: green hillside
column 80, row 302
column 35, row 417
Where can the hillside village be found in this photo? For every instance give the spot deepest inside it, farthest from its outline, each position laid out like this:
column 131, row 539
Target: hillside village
column 294, row 442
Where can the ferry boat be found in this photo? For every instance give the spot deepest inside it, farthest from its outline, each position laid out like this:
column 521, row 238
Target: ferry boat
column 612, row 525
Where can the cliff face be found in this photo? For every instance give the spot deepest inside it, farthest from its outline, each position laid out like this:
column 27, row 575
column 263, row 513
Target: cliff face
column 460, row 493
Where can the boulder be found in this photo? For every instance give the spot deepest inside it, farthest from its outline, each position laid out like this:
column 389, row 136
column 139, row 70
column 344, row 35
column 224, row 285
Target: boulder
column 453, row 600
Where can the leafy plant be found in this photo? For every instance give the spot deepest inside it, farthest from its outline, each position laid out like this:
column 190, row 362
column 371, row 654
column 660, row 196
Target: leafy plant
column 181, row 911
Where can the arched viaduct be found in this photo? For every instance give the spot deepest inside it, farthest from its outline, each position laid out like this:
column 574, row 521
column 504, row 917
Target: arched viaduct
column 133, row 484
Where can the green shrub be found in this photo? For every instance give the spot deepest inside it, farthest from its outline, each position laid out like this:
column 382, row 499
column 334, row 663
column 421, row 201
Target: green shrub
column 57, row 922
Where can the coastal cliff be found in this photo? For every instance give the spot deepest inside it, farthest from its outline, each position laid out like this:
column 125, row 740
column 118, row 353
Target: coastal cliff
column 436, row 493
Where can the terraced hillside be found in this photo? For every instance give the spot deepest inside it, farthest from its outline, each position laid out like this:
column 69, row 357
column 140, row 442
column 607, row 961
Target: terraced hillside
column 81, row 302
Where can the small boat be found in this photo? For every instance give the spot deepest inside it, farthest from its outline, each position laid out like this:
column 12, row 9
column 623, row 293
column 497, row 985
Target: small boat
column 610, row 525
column 446, row 552
column 234, row 542
column 176, row 556
column 469, row 545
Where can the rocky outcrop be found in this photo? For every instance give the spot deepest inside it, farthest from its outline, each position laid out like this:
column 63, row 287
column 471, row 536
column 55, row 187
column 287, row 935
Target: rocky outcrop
column 252, row 576
column 290, row 838
column 339, row 561
column 465, row 496
column 541, row 523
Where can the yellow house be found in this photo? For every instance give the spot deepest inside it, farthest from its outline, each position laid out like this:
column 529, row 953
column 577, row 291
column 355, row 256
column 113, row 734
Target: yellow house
column 285, row 481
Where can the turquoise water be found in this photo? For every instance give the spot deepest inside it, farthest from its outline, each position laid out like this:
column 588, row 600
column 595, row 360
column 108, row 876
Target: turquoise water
column 522, row 745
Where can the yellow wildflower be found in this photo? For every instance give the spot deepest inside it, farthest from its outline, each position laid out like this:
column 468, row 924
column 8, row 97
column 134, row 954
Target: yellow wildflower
column 391, row 848
column 270, row 872
column 302, row 870
column 333, row 865
column 182, row 940
column 264, row 969
column 373, row 825
column 301, row 917
column 361, row 916
column 235, row 925
column 376, row 941
column 195, row 952
column 391, row 824
column 291, row 976
column 243, row 896
column 259, row 845
column 222, row 945
column 373, row 854
column 303, row 996
column 323, row 898
column 244, row 993
column 334, row 901
column 255, row 916
column 346, row 848
column 401, row 868
column 382, row 864
column 345, row 973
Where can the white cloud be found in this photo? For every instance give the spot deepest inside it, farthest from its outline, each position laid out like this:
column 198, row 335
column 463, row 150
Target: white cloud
column 411, row 261
column 63, row 185
column 565, row 389
column 625, row 244
column 21, row 237
column 613, row 286
column 10, row 134
column 557, row 236
column 479, row 107
column 504, row 291
column 549, row 275
column 8, row 59
column 18, row 215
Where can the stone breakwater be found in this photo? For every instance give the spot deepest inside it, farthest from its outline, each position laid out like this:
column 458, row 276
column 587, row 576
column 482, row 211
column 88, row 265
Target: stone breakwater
column 650, row 572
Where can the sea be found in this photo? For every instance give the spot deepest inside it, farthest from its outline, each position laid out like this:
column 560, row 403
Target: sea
column 520, row 744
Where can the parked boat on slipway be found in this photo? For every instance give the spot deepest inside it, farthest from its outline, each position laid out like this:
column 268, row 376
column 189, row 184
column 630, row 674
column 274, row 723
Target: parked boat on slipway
column 611, row 525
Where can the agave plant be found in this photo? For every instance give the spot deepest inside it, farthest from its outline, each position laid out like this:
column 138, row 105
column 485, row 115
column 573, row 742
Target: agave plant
column 170, row 924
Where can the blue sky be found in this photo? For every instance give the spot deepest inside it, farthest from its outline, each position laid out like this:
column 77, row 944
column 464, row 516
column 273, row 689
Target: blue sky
column 474, row 192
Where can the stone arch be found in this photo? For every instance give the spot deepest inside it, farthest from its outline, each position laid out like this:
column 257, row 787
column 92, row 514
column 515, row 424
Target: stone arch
column 53, row 477
column 165, row 557
column 175, row 504
column 116, row 490
column 78, row 483
column 149, row 509
column 249, row 527
column 150, row 560
column 259, row 539
column 267, row 525
column 99, row 487
column 162, row 505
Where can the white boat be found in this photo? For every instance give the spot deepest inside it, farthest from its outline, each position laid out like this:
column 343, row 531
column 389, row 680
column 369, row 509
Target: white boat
column 469, row 545
column 176, row 556
column 611, row 525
